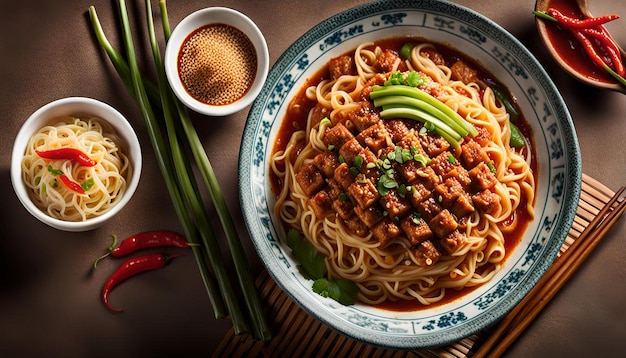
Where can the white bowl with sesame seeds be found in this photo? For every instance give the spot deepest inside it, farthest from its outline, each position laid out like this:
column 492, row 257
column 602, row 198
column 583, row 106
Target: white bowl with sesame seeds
column 216, row 61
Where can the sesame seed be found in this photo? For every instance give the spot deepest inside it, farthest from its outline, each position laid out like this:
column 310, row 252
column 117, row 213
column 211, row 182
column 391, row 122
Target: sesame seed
column 217, row 64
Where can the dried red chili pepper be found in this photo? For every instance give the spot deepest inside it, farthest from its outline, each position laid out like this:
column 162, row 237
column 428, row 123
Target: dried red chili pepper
column 71, row 185
column 67, row 153
column 132, row 267
column 145, row 240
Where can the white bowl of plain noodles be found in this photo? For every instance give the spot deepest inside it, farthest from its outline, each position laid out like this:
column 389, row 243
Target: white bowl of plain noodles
column 75, row 164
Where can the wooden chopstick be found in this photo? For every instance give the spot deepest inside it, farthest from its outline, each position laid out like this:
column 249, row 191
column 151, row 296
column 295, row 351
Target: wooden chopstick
column 583, row 246
column 514, row 323
column 525, row 317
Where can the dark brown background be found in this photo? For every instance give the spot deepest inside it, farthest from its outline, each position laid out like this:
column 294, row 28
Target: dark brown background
column 49, row 297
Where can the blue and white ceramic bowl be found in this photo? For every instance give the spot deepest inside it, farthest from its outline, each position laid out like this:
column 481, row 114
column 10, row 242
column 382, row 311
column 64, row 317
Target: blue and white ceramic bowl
column 559, row 168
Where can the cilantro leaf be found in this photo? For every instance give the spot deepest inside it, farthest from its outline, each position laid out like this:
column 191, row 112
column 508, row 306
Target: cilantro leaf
column 312, row 265
column 342, row 291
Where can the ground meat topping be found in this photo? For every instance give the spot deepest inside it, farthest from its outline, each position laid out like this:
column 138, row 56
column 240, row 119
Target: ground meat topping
column 359, row 181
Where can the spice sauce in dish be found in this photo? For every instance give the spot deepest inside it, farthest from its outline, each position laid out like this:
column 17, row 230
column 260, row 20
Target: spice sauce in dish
column 569, row 49
column 217, row 64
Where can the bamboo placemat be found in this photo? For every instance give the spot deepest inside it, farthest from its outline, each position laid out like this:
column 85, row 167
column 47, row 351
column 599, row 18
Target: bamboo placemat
column 297, row 334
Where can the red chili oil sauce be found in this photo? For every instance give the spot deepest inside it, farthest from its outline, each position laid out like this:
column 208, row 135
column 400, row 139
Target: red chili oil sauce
column 296, row 117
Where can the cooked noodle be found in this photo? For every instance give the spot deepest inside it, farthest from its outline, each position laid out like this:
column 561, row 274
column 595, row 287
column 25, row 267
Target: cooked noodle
column 392, row 271
column 107, row 178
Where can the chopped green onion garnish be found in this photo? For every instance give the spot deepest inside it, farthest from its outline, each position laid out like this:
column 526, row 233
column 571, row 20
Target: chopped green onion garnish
column 357, row 161
column 54, row 171
column 402, row 190
column 405, row 50
column 88, row 184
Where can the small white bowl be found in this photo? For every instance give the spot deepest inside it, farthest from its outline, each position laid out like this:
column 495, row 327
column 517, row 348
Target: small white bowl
column 74, row 106
column 215, row 16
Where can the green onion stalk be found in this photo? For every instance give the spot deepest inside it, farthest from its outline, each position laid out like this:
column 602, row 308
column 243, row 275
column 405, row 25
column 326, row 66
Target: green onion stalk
column 164, row 159
column 242, row 268
column 185, row 181
column 179, row 179
column 403, row 101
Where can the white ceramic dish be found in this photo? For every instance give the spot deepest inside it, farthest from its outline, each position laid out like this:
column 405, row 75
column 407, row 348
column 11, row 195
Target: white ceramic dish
column 203, row 17
column 70, row 107
column 559, row 168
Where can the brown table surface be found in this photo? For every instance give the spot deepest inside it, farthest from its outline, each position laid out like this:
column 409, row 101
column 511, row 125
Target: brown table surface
column 49, row 297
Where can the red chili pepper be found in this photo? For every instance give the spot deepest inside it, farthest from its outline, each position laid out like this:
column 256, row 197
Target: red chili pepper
column 580, row 23
column 149, row 239
column 588, row 47
column 132, row 267
column 607, row 41
column 145, row 240
column 67, row 153
column 593, row 54
column 593, row 27
column 71, row 185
